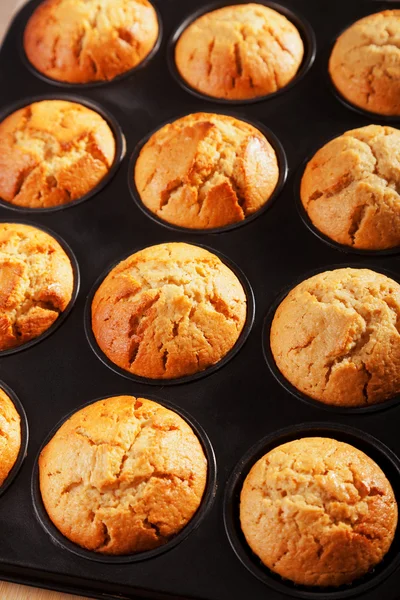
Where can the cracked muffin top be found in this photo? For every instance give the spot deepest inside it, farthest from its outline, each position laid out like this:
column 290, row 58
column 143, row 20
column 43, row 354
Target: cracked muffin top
column 318, row 512
column 239, row 52
column 205, row 171
column 122, row 475
column 365, row 63
column 53, row 152
column 36, row 283
column 336, row 337
column 350, row 188
column 168, row 311
column 82, row 41
column 10, row 435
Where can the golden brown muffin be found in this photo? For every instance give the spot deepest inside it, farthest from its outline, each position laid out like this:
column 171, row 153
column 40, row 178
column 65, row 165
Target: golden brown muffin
column 206, row 170
column 36, row 283
column 168, row 311
column 318, row 512
column 81, row 41
column 336, row 337
column 10, row 435
column 122, row 475
column 239, row 52
column 350, row 188
column 53, row 152
column 365, row 63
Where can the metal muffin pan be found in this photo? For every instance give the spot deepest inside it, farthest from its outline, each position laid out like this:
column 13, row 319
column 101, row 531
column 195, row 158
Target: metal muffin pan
column 238, row 404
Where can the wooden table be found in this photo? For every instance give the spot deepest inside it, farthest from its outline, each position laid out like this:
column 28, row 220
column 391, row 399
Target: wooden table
column 10, row 591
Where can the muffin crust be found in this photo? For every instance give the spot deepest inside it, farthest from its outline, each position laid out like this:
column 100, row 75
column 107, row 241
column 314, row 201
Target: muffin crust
column 36, row 283
column 53, row 152
column 239, row 52
column 10, row 435
column 350, row 188
column 318, row 512
column 206, row 170
column 82, row 41
column 168, row 311
column 122, row 475
column 336, row 337
column 365, row 63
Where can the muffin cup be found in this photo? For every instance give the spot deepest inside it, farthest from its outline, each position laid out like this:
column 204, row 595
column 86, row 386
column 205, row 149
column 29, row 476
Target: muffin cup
column 120, row 148
column 310, row 225
column 304, row 28
column 24, row 438
column 283, row 173
column 382, row 455
column 32, row 5
column 208, row 497
column 375, row 117
column 285, row 383
column 76, row 273
column 250, row 313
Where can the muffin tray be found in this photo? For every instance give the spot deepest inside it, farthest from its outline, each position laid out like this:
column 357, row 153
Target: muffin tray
column 240, row 406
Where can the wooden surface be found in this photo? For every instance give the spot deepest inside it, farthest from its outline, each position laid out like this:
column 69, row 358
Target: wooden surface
column 10, row 591
column 7, row 9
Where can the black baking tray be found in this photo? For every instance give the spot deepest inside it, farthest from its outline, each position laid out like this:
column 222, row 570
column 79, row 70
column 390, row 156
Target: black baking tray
column 237, row 405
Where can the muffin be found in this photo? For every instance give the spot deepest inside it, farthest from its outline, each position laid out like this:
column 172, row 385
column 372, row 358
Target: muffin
column 336, row 338
column 36, row 283
column 53, row 152
column 365, row 63
column 318, row 512
column 350, row 188
column 10, row 435
column 122, row 475
column 239, row 52
column 205, row 171
column 82, row 41
column 168, row 311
